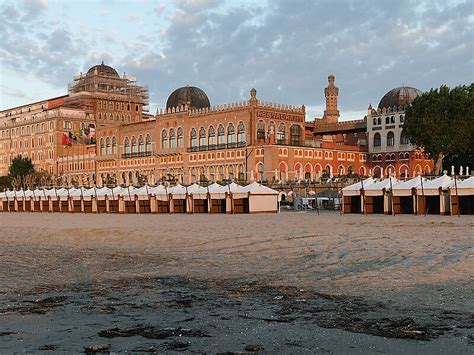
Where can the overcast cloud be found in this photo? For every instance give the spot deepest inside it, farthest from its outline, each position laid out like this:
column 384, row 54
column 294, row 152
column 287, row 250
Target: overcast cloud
column 285, row 49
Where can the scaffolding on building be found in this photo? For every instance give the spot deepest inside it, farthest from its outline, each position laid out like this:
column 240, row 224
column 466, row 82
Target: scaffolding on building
column 88, row 87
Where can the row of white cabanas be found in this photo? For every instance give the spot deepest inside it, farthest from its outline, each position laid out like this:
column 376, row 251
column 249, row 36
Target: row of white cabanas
column 231, row 198
column 442, row 195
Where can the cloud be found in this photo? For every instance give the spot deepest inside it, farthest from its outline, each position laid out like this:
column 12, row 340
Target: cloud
column 285, row 49
column 28, row 47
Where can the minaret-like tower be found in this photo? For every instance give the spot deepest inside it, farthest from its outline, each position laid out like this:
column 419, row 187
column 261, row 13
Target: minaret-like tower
column 331, row 114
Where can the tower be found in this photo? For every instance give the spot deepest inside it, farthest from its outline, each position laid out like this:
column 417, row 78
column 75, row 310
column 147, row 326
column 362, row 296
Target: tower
column 331, row 114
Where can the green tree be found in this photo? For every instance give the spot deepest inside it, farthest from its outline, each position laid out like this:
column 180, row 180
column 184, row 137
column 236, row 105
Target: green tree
column 20, row 168
column 441, row 122
column 5, row 183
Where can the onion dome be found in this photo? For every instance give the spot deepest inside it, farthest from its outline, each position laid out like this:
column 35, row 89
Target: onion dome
column 103, row 69
column 402, row 96
column 191, row 96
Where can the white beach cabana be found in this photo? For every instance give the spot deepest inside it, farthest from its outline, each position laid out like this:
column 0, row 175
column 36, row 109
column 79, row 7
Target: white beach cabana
column 404, row 195
column 261, row 198
column 219, row 198
column 178, row 196
column 378, row 196
column 462, row 196
column 160, row 193
column 353, row 196
column 433, row 195
column 198, row 199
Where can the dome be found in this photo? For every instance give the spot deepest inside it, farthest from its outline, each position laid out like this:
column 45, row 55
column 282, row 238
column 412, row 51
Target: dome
column 103, row 69
column 192, row 96
column 401, row 96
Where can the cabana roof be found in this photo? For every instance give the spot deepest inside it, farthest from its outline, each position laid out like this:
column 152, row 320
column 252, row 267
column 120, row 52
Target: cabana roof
column 463, row 188
column 258, row 189
column 431, row 187
column 405, row 188
column 376, row 189
column 354, row 189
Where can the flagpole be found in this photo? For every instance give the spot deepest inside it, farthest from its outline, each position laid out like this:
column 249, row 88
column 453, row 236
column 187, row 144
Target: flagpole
column 391, row 194
column 423, row 194
column 457, row 196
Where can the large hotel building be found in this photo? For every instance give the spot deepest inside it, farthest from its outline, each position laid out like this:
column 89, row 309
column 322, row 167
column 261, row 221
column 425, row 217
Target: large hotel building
column 100, row 132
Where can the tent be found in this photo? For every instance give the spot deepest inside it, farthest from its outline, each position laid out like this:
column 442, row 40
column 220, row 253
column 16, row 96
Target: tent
column 199, row 199
column 143, row 197
column 378, row 196
column 218, row 198
column 178, row 196
column 462, row 196
column 353, row 196
column 404, row 195
column 162, row 198
column 433, row 196
column 260, row 198
column 3, row 202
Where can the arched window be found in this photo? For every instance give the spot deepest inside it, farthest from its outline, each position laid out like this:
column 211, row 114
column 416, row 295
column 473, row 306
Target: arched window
column 271, row 127
column 231, row 172
column 241, row 133
column 220, row 170
column 127, row 145
column 164, row 139
column 230, row 134
column 295, row 132
column 387, row 120
column 379, row 121
column 202, row 137
column 212, row 136
column 141, row 144
column 108, row 145
column 403, row 138
column 114, row 145
column 392, row 119
column 134, row 145
column 193, row 138
column 375, row 121
column 180, row 138
column 377, row 140
column 212, row 173
column 202, row 174
column 241, row 172
column 102, row 146
column 402, row 118
column 281, row 134
column 260, row 130
column 221, row 135
column 148, row 143
column 390, row 139
column 172, row 138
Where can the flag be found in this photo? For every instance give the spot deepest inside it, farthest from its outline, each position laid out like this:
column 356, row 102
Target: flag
column 72, row 137
column 66, row 140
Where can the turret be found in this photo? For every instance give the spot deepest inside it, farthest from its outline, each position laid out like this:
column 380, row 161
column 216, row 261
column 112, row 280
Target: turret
column 331, row 114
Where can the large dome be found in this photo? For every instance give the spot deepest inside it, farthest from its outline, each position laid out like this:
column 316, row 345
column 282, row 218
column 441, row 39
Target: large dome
column 103, row 69
column 192, row 96
column 401, row 96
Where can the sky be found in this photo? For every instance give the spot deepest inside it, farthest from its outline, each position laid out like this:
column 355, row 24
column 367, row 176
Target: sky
column 285, row 49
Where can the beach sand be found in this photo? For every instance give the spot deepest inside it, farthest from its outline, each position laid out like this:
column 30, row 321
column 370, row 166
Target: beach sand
column 284, row 283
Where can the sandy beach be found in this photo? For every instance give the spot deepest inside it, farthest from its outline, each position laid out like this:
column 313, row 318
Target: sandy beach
column 278, row 283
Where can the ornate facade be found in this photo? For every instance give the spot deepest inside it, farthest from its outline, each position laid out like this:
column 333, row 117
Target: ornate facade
column 101, row 133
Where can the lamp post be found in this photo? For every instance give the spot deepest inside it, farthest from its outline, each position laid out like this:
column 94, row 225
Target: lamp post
column 247, row 155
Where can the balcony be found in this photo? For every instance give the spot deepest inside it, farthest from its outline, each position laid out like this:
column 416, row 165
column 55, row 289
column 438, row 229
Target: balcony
column 203, row 148
column 136, row 155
